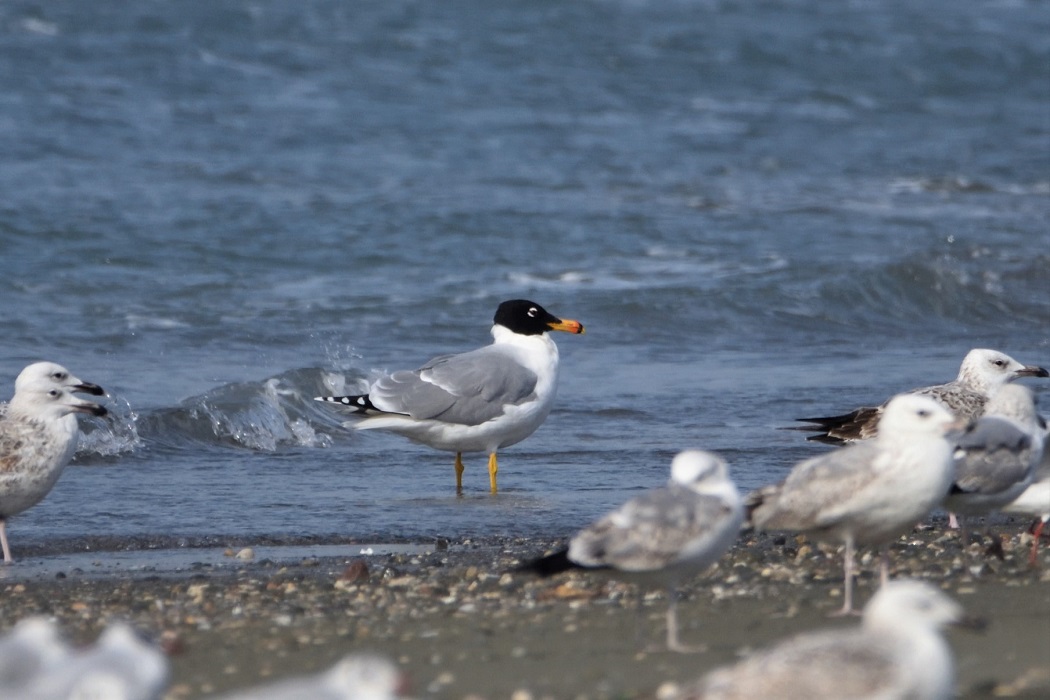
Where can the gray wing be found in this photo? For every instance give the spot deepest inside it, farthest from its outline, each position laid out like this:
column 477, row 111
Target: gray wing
column 651, row 531
column 992, row 456
column 817, row 492
column 467, row 389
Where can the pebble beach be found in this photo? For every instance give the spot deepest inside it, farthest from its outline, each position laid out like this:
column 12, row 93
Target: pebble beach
column 461, row 623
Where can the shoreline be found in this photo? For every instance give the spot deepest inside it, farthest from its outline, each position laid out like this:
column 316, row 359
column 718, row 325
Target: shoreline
column 461, row 625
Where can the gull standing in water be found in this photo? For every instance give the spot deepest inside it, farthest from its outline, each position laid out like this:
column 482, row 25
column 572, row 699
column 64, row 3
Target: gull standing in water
column 868, row 492
column 38, row 436
column 982, row 374
column 667, row 535
column 477, row 401
column 897, row 652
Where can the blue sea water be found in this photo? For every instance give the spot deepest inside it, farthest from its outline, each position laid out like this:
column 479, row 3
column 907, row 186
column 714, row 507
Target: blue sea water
column 760, row 210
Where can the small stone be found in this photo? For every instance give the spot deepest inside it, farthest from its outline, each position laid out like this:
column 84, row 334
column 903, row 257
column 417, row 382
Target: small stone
column 171, row 643
column 667, row 691
column 196, row 592
column 357, row 571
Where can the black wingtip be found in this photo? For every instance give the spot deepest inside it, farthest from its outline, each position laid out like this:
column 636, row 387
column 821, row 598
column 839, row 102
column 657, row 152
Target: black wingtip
column 359, row 403
column 549, row 565
column 824, row 437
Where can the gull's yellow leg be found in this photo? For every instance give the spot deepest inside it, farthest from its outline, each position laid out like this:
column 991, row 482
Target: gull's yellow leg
column 459, row 472
column 493, row 468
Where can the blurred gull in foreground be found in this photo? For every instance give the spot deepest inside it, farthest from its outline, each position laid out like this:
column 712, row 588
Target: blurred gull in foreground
column 896, row 652
column 357, row 677
column 118, row 666
column 32, row 648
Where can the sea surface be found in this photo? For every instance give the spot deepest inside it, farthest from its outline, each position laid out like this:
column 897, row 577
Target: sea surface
column 760, row 210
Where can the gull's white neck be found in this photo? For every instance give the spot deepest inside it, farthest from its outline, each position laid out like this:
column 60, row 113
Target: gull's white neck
column 537, row 352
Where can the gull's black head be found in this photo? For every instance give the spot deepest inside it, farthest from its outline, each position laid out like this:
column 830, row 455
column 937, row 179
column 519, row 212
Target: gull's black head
column 529, row 318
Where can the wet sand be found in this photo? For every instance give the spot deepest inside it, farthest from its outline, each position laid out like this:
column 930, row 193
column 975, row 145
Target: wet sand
column 461, row 626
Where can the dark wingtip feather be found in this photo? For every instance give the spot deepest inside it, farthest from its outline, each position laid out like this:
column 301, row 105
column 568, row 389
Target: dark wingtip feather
column 549, row 565
column 359, row 403
column 837, row 430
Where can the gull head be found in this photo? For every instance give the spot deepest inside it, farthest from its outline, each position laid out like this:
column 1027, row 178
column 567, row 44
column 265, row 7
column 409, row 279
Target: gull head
column 365, row 676
column 986, row 370
column 701, row 471
column 43, row 400
column 526, row 317
column 916, row 415
column 57, row 375
column 910, row 604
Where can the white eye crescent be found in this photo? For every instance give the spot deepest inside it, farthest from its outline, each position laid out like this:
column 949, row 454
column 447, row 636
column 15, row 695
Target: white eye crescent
column 532, row 312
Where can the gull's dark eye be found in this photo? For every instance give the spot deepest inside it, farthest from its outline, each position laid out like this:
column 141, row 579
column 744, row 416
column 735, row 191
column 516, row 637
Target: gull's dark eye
column 59, row 376
column 53, row 393
column 999, row 363
column 923, row 413
column 532, row 312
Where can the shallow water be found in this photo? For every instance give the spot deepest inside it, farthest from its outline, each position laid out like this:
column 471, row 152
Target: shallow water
column 759, row 210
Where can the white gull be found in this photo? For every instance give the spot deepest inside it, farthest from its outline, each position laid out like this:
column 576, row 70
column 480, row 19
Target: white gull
column 897, row 652
column 869, row 492
column 667, row 535
column 38, row 436
column 30, row 649
column 477, row 401
column 118, row 666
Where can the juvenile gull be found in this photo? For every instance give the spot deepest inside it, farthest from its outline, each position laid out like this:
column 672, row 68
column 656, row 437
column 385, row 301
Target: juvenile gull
column 868, row 492
column 896, row 652
column 356, row 677
column 477, row 401
column 996, row 458
column 38, row 435
column 667, row 535
column 983, row 372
